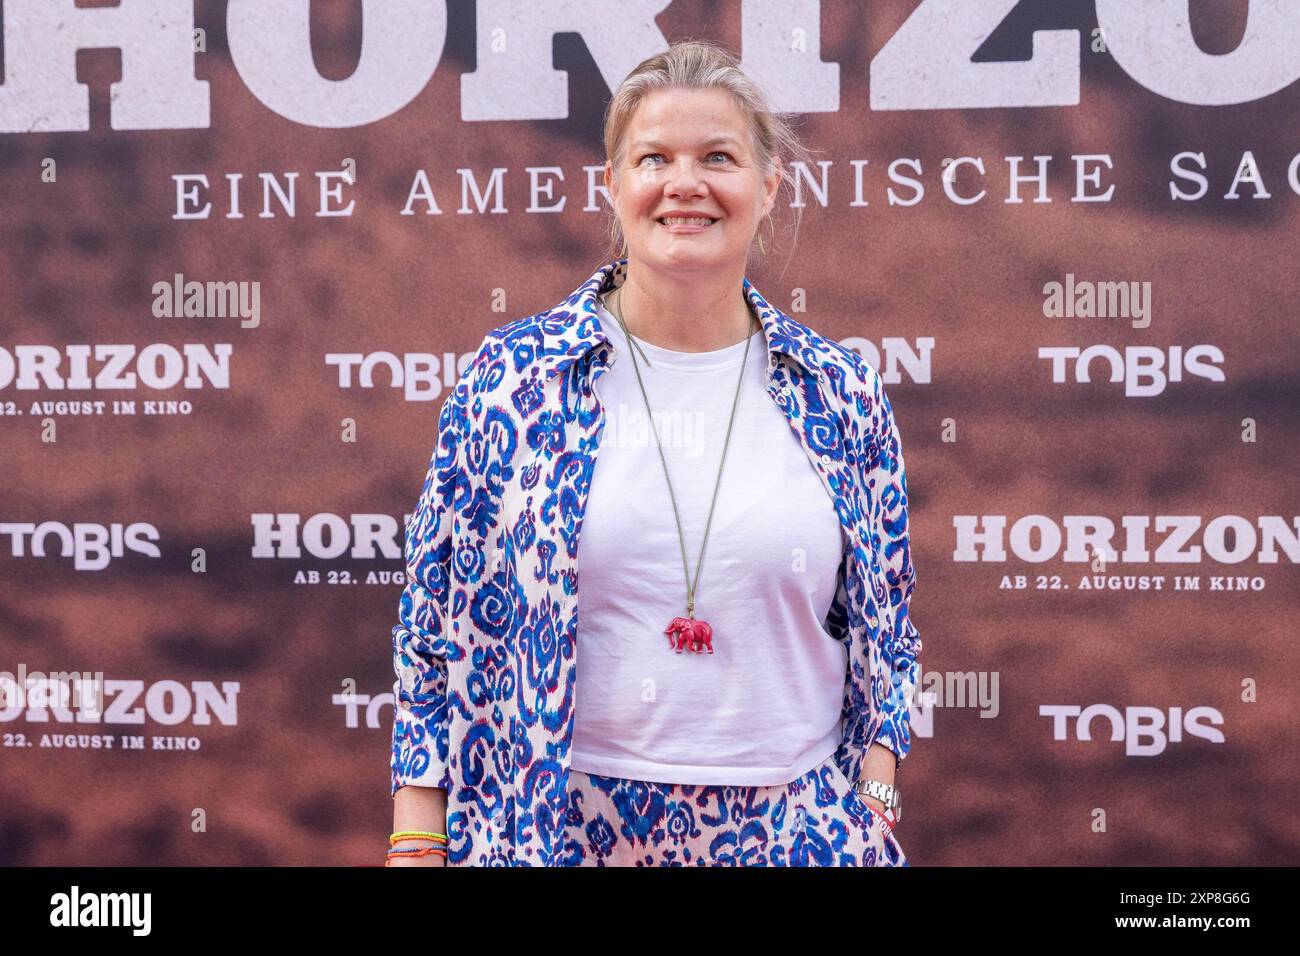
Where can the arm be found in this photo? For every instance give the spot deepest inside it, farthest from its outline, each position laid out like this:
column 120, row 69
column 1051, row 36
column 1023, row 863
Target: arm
column 881, row 764
column 903, row 644
column 420, row 808
column 419, row 778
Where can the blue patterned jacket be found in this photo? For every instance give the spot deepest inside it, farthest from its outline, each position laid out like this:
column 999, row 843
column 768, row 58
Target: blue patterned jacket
column 485, row 649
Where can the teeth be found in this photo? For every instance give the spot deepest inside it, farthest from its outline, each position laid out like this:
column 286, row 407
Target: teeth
column 702, row 221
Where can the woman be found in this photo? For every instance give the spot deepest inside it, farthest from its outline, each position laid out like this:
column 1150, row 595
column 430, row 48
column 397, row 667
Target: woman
column 744, row 655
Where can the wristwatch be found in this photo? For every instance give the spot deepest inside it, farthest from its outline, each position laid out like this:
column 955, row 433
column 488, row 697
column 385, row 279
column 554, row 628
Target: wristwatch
column 890, row 796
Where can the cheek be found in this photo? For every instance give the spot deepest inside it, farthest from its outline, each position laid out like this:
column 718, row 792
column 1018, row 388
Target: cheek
column 740, row 205
column 643, row 204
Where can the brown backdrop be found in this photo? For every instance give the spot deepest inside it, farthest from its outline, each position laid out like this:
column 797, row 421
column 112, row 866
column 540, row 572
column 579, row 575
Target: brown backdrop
column 288, row 782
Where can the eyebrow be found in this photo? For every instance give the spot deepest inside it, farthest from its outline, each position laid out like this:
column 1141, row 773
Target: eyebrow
column 655, row 144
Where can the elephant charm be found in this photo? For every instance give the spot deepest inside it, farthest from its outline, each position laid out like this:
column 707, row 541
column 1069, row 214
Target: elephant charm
column 687, row 632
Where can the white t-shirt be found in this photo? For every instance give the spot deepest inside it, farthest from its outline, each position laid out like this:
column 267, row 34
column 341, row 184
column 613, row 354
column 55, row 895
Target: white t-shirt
column 764, row 708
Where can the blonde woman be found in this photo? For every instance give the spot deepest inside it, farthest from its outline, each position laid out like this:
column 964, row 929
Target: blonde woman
column 659, row 571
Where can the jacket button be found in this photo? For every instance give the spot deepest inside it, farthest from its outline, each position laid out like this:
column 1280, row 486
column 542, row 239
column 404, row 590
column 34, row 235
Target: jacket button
column 406, row 705
column 786, row 391
column 826, row 459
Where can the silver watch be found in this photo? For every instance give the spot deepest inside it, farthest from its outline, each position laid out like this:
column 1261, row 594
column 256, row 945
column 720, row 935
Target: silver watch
column 890, row 796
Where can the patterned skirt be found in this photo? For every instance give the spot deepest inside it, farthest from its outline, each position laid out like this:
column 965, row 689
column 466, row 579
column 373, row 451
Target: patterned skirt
column 815, row 820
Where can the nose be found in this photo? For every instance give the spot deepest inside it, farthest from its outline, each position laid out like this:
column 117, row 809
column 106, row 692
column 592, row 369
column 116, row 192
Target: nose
column 683, row 179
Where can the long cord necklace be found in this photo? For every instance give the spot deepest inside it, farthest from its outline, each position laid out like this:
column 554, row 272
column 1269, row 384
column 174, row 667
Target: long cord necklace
column 685, row 632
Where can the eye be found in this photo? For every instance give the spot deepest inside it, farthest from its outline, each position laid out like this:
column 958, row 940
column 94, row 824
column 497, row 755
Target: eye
column 717, row 152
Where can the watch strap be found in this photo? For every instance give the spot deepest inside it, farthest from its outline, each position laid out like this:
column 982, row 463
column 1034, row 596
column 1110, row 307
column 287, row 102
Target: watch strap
column 886, row 793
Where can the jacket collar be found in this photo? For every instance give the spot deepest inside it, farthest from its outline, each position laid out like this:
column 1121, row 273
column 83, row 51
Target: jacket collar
column 572, row 328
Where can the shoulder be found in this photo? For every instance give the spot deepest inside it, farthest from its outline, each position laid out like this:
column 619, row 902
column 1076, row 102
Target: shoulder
column 848, row 382
column 500, row 361
column 853, row 376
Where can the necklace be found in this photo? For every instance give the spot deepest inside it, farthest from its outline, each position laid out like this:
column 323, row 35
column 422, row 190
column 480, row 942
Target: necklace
column 685, row 632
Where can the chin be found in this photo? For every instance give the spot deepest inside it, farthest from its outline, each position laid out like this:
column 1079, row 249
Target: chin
column 686, row 256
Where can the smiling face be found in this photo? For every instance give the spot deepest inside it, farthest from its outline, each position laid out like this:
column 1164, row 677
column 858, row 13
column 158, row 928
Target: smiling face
column 689, row 151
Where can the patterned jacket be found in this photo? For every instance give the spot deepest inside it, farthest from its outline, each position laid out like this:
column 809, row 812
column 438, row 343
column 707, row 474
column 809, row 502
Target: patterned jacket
column 485, row 649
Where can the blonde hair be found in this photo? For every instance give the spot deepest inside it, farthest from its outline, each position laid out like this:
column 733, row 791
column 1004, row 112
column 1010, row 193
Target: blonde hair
column 699, row 65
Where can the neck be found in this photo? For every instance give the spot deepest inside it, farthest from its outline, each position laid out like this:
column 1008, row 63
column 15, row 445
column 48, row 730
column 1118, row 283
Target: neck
column 698, row 312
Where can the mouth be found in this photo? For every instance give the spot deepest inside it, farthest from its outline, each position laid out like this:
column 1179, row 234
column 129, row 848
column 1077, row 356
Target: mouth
column 683, row 224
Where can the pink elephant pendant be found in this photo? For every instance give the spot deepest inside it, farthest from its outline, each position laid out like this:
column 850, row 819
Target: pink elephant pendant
column 687, row 632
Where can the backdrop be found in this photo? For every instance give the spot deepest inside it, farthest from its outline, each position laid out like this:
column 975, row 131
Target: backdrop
column 248, row 246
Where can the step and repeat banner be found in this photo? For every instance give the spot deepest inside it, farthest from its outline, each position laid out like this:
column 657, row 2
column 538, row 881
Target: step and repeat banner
column 250, row 245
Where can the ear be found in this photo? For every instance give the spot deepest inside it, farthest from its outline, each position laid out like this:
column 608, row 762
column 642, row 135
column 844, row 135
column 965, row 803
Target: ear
column 609, row 179
column 772, row 183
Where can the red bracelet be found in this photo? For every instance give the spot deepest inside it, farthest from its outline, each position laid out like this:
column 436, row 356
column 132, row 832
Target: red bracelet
column 418, row 851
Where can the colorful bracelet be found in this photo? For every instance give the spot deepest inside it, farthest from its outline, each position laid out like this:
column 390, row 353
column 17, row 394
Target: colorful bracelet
column 417, row 850
column 414, row 852
column 416, row 835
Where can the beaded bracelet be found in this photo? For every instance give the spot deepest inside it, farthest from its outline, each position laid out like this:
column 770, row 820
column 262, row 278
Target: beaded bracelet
column 414, row 852
column 416, row 835
column 417, row 850
column 438, row 847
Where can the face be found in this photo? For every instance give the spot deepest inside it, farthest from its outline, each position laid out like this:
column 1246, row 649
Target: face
column 689, row 151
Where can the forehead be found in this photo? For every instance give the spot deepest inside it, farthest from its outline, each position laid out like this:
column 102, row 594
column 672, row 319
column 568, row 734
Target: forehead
column 687, row 116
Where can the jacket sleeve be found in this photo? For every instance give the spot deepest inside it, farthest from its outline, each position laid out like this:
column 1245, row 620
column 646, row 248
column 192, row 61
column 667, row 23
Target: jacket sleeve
column 421, row 639
column 903, row 643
